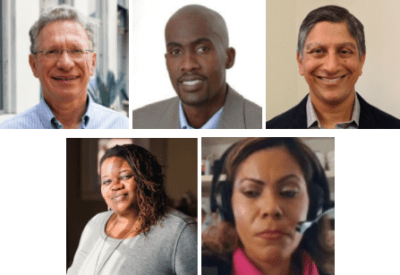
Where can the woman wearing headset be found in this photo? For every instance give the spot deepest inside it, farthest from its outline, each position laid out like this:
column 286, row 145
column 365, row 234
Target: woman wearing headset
column 273, row 187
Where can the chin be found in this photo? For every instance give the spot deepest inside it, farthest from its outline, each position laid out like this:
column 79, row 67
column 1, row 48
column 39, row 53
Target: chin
column 193, row 101
column 333, row 97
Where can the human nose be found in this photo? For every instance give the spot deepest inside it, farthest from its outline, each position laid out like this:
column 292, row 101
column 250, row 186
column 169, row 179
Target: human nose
column 189, row 62
column 271, row 206
column 331, row 63
column 117, row 185
column 65, row 61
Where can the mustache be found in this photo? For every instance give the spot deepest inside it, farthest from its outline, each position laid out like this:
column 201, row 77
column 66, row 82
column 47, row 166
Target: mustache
column 191, row 76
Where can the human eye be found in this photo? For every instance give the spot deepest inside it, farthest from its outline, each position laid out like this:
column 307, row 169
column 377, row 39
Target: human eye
column 202, row 49
column 76, row 52
column 106, row 182
column 345, row 52
column 50, row 53
column 174, row 52
column 251, row 193
column 250, row 190
column 317, row 52
column 126, row 177
column 289, row 192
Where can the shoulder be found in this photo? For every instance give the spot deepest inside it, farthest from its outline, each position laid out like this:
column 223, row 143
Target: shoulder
column 252, row 115
column 28, row 119
column 249, row 106
column 157, row 108
column 99, row 219
column 149, row 116
column 178, row 221
column 176, row 229
column 294, row 118
column 240, row 112
column 373, row 118
column 107, row 118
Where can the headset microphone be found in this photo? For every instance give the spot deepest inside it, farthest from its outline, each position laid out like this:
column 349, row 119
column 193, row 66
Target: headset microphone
column 303, row 226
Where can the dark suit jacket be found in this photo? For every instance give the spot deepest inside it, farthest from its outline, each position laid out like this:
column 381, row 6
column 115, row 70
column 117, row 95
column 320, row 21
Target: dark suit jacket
column 238, row 113
column 370, row 118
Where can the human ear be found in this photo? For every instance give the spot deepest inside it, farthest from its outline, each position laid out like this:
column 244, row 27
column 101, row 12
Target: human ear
column 32, row 62
column 230, row 58
column 300, row 64
column 93, row 63
column 362, row 60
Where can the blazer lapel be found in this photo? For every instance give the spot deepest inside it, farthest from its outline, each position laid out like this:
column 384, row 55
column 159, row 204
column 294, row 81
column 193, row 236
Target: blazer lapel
column 233, row 114
column 170, row 117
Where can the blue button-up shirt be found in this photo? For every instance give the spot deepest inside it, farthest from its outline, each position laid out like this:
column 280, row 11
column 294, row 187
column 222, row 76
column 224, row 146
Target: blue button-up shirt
column 41, row 117
column 212, row 123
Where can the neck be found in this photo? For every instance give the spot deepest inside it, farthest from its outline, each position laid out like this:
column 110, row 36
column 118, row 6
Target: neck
column 197, row 116
column 69, row 113
column 122, row 227
column 329, row 115
column 274, row 266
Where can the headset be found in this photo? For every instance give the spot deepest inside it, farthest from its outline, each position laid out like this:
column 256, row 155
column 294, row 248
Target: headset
column 221, row 190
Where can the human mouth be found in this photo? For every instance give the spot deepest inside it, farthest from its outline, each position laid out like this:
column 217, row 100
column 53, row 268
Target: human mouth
column 331, row 80
column 119, row 197
column 65, row 79
column 271, row 234
column 191, row 83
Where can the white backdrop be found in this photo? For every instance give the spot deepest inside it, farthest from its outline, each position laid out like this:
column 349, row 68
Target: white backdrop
column 149, row 80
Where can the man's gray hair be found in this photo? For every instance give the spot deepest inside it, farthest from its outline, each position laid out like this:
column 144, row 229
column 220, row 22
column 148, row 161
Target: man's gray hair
column 332, row 14
column 63, row 13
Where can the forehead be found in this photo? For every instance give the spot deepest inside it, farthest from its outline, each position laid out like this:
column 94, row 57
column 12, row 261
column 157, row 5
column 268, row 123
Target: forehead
column 113, row 163
column 271, row 163
column 61, row 32
column 185, row 29
column 329, row 33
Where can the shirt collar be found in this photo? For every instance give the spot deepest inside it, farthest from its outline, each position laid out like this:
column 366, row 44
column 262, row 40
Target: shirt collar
column 242, row 265
column 212, row 123
column 313, row 122
column 51, row 122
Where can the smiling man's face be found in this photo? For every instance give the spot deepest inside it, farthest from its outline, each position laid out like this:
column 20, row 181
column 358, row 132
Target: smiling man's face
column 330, row 63
column 196, row 59
column 64, row 79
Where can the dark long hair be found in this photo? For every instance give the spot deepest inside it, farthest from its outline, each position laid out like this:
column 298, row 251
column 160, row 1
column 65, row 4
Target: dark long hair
column 317, row 188
column 149, row 180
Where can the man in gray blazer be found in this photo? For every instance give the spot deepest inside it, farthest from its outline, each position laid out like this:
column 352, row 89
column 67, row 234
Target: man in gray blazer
column 197, row 57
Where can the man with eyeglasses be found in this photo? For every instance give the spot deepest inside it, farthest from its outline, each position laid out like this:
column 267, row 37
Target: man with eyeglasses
column 63, row 60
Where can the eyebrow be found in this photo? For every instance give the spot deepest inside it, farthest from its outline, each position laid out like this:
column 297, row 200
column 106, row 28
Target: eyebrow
column 340, row 45
column 196, row 42
column 126, row 170
column 261, row 182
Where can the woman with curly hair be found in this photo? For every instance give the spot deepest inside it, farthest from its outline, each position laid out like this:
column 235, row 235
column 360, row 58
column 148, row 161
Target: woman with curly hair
column 274, row 193
column 140, row 235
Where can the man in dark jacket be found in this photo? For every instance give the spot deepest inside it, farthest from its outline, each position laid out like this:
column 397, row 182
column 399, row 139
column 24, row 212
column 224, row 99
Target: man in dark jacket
column 330, row 56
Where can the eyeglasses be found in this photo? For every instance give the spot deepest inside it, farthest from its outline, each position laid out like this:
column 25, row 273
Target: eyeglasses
column 55, row 54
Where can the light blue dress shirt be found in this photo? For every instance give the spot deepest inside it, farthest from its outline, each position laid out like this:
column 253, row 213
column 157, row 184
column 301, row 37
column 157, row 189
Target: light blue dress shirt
column 212, row 123
column 41, row 117
column 313, row 121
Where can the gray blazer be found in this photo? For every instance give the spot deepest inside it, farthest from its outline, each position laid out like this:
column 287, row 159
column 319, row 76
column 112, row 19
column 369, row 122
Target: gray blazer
column 238, row 113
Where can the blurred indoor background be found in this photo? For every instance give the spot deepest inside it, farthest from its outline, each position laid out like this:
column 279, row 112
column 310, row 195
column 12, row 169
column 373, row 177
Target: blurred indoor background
column 177, row 156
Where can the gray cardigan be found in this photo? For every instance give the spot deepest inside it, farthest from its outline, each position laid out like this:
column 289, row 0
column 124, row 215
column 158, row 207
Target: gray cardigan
column 169, row 248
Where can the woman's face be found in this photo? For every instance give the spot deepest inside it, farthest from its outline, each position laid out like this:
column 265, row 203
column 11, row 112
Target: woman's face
column 269, row 199
column 118, row 186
